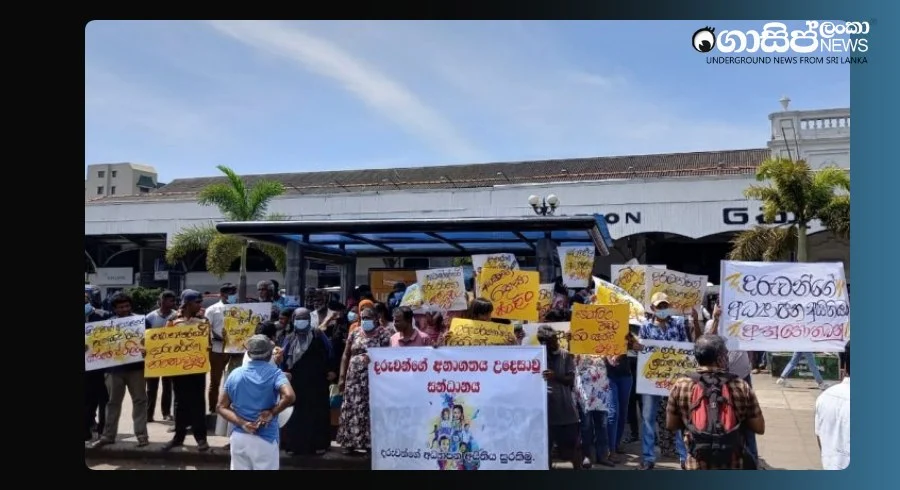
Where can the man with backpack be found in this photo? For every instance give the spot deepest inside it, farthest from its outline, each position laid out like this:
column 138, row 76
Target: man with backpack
column 715, row 410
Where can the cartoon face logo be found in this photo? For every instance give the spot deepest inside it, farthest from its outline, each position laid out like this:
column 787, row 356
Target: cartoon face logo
column 704, row 40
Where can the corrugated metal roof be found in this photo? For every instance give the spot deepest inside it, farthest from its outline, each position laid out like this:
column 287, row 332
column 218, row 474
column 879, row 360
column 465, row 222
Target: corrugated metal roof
column 711, row 163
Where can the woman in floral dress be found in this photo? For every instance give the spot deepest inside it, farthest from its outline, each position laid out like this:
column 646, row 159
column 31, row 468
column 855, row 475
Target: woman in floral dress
column 354, row 432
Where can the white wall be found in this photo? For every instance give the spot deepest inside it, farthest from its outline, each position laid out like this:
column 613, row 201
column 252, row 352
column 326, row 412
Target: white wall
column 689, row 207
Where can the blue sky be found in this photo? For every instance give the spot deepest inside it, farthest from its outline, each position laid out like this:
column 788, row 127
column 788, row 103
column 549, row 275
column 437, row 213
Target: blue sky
column 268, row 97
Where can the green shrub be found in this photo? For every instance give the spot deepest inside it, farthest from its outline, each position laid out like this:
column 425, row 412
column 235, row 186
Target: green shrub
column 145, row 299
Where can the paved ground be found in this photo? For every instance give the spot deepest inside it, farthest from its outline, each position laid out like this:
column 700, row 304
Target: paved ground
column 789, row 442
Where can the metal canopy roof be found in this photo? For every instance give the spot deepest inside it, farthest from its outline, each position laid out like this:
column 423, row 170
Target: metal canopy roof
column 427, row 237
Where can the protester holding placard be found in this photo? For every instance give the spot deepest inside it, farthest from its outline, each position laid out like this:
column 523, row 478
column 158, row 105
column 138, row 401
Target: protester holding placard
column 159, row 318
column 407, row 334
column 662, row 326
column 121, row 378
column 621, row 383
column 562, row 415
column 189, row 388
column 715, row 443
column 95, row 394
column 354, row 432
column 219, row 361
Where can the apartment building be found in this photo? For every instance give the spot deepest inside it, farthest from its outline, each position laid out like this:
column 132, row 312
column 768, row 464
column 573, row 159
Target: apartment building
column 119, row 179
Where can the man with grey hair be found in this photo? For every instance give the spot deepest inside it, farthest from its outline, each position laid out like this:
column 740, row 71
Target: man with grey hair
column 715, row 409
column 266, row 293
column 253, row 397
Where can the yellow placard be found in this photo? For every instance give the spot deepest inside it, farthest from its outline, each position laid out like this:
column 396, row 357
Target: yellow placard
column 545, row 300
column 632, row 279
column 465, row 332
column 176, row 351
column 599, row 329
column 513, row 293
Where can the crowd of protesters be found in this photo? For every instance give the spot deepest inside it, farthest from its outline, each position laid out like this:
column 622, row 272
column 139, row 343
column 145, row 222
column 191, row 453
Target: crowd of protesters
column 317, row 364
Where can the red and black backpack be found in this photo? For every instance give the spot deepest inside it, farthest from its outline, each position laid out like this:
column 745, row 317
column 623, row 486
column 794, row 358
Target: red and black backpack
column 716, row 435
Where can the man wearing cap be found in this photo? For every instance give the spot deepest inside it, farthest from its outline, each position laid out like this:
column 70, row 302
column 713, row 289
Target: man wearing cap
column 219, row 361
column 253, row 396
column 189, row 388
column 661, row 326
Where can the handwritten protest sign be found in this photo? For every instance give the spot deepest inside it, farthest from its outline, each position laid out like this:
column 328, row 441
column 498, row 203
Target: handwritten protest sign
column 113, row 342
column 562, row 332
column 176, row 351
column 785, row 306
column 606, row 293
column 443, row 289
column 577, row 265
column 492, row 261
column 545, row 300
column 660, row 363
column 465, row 332
column 412, row 297
column 632, row 278
column 685, row 291
column 513, row 293
column 240, row 324
column 599, row 329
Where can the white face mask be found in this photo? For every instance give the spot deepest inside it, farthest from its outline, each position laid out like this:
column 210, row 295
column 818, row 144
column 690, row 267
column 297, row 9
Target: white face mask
column 368, row 325
column 301, row 324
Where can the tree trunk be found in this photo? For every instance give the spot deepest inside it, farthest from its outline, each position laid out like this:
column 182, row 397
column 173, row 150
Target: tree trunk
column 801, row 243
column 242, row 280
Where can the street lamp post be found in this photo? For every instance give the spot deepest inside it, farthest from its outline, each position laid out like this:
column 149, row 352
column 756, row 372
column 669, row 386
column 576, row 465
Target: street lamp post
column 544, row 206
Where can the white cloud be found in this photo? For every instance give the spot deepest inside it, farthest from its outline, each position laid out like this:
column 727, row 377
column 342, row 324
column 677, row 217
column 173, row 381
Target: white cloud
column 389, row 97
column 538, row 90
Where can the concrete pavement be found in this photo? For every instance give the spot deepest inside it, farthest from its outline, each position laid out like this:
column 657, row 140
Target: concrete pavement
column 789, row 442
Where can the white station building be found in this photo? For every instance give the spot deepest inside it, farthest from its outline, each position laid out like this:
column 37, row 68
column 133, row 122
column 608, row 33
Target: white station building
column 675, row 209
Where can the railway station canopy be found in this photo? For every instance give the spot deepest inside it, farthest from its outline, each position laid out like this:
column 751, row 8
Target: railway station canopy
column 444, row 237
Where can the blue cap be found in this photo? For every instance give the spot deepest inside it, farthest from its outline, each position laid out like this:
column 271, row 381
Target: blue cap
column 190, row 296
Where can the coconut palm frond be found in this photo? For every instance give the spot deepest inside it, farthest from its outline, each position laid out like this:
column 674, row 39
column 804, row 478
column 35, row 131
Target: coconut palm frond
column 763, row 243
column 259, row 197
column 189, row 240
column 836, row 216
column 221, row 253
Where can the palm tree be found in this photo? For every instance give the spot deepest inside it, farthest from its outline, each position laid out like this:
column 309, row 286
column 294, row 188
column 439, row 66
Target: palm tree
column 237, row 202
column 799, row 191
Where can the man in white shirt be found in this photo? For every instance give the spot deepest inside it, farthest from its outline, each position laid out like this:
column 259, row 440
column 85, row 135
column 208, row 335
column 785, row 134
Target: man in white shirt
column 833, row 421
column 219, row 361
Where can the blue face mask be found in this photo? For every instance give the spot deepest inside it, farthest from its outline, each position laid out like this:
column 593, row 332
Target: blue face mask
column 301, row 324
column 88, row 309
column 663, row 314
column 233, row 299
column 352, row 316
column 368, row 325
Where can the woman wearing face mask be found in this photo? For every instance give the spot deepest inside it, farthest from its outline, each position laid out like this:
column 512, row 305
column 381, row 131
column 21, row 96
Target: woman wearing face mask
column 307, row 353
column 363, row 305
column 354, row 433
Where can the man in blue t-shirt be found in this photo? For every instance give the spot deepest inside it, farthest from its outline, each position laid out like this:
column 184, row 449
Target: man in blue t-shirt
column 254, row 395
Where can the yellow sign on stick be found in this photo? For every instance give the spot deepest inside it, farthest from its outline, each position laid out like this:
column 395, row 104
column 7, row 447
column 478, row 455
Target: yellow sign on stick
column 465, row 332
column 514, row 293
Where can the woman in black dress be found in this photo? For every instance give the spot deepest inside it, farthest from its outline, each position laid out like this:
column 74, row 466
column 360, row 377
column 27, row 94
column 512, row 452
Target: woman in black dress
column 307, row 356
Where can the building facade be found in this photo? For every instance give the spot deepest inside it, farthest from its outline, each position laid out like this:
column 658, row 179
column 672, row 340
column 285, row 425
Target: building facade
column 119, row 179
column 680, row 209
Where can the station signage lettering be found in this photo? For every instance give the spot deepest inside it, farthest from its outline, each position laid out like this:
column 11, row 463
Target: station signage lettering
column 615, row 218
column 741, row 216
